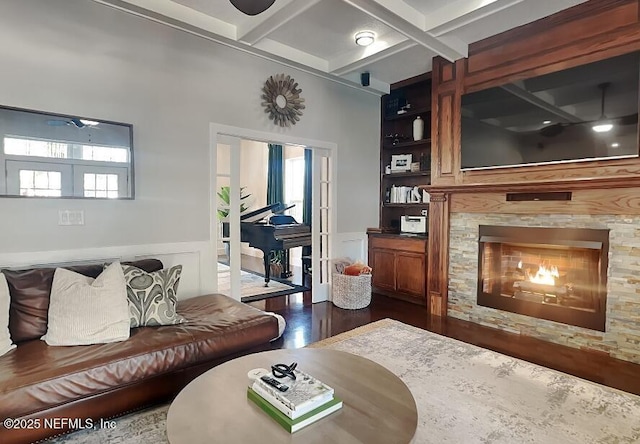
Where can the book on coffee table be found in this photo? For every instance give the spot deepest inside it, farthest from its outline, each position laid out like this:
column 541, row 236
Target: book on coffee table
column 276, row 400
column 304, row 393
column 293, row 425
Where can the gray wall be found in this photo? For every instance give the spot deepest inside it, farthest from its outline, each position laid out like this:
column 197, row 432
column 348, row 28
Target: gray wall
column 83, row 58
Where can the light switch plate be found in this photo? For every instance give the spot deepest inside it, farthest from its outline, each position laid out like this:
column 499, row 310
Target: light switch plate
column 71, row 217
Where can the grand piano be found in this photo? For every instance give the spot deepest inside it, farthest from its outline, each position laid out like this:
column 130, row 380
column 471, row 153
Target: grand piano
column 267, row 229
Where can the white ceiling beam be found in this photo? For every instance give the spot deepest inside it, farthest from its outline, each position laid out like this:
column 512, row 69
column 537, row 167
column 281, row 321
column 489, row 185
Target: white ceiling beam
column 293, row 54
column 353, row 62
column 178, row 12
column 253, row 32
column 404, row 10
column 519, row 91
column 185, row 26
column 463, row 12
column 407, row 28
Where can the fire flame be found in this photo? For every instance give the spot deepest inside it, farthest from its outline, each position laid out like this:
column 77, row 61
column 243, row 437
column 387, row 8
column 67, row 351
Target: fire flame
column 545, row 275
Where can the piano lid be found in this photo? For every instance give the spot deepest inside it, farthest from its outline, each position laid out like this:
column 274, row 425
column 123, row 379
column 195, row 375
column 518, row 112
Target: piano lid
column 261, row 213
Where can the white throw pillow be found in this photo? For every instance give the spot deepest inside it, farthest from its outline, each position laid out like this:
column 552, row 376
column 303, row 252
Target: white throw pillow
column 5, row 301
column 85, row 311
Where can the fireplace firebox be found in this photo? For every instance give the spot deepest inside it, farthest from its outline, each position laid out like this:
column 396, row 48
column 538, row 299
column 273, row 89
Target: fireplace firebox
column 559, row 274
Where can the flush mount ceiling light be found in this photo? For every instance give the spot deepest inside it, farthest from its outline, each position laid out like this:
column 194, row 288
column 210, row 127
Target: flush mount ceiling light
column 365, row 38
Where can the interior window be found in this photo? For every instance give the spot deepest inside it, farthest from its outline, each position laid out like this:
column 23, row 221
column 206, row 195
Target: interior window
column 100, row 185
column 40, row 183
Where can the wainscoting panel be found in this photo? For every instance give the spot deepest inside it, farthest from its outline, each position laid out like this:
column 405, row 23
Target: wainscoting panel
column 198, row 273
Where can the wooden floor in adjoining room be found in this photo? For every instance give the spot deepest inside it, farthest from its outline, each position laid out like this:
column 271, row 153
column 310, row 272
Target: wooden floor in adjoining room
column 307, row 323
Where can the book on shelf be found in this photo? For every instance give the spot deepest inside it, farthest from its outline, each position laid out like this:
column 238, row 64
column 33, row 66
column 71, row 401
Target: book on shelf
column 293, row 425
column 304, row 392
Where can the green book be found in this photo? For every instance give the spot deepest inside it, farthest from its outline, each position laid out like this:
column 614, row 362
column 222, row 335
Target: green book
column 293, row 425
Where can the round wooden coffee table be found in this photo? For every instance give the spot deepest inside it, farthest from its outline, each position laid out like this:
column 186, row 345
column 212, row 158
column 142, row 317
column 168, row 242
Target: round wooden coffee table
column 377, row 406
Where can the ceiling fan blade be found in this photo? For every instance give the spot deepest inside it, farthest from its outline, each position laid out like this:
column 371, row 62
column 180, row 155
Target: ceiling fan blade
column 252, row 7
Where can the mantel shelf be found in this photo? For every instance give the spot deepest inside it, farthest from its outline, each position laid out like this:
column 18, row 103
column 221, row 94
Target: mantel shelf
column 559, row 185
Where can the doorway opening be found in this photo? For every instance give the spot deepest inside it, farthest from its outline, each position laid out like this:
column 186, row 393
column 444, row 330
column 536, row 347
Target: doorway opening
column 253, row 225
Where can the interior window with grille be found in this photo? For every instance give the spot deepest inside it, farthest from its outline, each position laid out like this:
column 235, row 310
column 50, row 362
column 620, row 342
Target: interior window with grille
column 40, row 183
column 100, row 185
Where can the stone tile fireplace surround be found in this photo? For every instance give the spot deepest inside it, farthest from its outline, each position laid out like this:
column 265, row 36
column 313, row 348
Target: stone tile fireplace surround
column 621, row 338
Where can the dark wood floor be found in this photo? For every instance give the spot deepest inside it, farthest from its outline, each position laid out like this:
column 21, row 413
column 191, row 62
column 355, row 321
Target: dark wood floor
column 307, row 323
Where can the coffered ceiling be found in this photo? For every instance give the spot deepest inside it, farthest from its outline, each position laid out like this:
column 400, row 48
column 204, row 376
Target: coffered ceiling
column 318, row 35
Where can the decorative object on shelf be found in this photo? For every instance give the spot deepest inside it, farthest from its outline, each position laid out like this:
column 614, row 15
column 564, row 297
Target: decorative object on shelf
column 282, row 100
column 404, row 109
column 418, row 128
column 415, row 167
column 425, row 162
column 400, row 162
column 252, row 7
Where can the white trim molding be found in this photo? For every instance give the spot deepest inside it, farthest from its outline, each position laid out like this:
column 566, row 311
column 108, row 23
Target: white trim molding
column 195, row 257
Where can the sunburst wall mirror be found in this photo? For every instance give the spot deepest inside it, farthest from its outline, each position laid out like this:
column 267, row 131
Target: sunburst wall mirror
column 281, row 100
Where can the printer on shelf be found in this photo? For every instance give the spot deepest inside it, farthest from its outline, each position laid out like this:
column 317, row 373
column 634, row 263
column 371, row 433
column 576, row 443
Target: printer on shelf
column 413, row 224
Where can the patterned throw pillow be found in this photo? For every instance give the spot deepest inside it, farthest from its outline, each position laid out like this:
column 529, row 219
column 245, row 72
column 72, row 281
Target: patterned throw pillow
column 153, row 296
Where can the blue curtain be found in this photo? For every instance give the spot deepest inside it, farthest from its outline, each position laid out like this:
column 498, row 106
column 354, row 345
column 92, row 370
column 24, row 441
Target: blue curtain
column 275, row 175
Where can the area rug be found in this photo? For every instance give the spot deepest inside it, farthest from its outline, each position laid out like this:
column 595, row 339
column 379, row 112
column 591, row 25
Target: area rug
column 464, row 394
column 252, row 285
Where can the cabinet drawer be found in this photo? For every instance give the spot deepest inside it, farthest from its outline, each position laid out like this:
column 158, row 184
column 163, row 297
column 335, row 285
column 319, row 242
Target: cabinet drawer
column 416, row 245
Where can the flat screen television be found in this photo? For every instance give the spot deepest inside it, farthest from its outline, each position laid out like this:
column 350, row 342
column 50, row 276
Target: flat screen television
column 583, row 113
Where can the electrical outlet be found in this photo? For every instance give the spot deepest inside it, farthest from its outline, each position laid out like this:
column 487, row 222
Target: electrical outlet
column 71, row 217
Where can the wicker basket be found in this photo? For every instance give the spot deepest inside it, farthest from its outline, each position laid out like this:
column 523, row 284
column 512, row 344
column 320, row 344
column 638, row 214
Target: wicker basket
column 351, row 292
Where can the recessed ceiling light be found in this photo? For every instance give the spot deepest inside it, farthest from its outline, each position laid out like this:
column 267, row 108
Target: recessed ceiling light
column 365, row 38
column 546, row 122
column 615, row 145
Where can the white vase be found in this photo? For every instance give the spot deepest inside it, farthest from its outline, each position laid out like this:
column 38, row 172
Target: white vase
column 418, row 128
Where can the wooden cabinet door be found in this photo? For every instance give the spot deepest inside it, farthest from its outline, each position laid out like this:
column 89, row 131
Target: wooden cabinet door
column 384, row 271
column 410, row 272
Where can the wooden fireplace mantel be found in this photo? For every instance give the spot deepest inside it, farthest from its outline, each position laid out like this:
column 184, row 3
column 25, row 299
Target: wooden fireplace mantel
column 591, row 31
column 542, row 186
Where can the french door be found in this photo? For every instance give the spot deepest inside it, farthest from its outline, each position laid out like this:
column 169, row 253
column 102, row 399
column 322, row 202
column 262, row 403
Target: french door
column 226, row 161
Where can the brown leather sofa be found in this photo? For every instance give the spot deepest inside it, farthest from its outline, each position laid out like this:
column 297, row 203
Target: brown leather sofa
column 48, row 390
